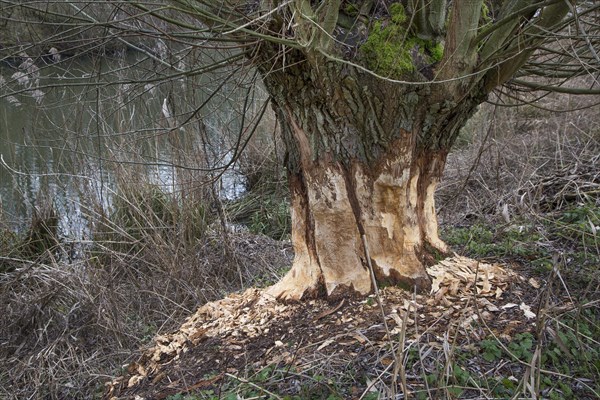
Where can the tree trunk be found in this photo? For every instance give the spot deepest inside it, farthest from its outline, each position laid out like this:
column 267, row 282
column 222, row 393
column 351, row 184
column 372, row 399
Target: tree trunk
column 364, row 158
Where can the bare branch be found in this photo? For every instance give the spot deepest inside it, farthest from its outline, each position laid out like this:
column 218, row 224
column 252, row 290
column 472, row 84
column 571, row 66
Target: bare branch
column 526, row 42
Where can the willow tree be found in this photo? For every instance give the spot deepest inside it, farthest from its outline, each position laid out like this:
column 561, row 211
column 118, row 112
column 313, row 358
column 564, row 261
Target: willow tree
column 370, row 97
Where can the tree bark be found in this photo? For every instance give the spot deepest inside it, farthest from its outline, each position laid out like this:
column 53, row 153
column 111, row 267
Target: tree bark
column 364, row 158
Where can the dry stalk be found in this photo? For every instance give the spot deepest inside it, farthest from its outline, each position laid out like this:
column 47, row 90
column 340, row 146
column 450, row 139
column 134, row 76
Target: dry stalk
column 254, row 385
column 397, row 358
column 400, row 358
column 528, row 378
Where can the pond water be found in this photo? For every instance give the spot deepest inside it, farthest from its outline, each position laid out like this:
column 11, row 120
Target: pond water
column 74, row 131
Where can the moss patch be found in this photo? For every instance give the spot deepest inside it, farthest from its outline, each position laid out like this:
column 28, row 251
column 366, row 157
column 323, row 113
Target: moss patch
column 390, row 49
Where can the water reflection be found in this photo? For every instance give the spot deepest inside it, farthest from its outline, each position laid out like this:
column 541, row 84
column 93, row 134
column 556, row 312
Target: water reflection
column 72, row 132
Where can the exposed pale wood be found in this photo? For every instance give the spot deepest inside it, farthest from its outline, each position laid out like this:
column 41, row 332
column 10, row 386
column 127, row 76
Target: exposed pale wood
column 431, row 221
column 330, row 259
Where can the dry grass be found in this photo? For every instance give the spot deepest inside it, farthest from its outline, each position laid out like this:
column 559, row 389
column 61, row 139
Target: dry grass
column 66, row 326
column 75, row 310
column 528, row 159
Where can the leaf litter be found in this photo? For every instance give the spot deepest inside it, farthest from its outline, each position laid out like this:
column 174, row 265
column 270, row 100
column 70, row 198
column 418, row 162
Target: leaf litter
column 251, row 330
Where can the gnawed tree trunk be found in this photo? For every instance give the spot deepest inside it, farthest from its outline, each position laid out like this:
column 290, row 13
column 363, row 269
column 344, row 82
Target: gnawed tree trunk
column 364, row 158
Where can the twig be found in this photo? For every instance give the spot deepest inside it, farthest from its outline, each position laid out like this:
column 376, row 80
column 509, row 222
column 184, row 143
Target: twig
column 254, row 385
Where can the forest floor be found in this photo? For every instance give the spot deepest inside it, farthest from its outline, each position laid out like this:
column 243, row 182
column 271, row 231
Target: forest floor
column 485, row 331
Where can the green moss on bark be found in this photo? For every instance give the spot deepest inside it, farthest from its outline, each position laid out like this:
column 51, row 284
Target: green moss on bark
column 390, row 48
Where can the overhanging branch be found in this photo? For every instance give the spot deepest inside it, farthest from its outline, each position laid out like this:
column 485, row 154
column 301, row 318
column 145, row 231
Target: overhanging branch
column 550, row 18
column 557, row 89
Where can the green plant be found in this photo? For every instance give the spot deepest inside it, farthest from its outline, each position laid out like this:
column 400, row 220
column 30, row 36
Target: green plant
column 264, row 209
column 580, row 223
column 271, row 219
column 371, row 396
column 491, row 351
column 458, row 380
column 521, row 346
column 389, row 48
column 515, row 241
column 573, row 348
column 181, row 396
column 503, row 387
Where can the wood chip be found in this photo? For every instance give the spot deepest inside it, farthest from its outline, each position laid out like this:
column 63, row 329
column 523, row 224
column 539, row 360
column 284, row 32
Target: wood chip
column 533, row 282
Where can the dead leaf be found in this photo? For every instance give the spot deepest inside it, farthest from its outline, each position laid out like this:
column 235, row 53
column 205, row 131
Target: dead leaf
column 397, row 319
column 489, row 306
column 499, row 292
column 158, row 377
column 510, row 327
column 134, row 380
column 527, row 311
column 467, row 322
column 359, row 337
column 386, row 361
column 205, row 382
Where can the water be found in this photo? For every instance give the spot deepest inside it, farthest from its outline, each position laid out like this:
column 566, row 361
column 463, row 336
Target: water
column 73, row 131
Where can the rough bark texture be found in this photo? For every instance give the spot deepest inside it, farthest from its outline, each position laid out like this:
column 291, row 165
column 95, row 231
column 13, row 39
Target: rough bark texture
column 364, row 158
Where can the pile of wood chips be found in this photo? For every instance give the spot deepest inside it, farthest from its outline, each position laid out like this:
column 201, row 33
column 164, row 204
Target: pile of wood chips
column 458, row 275
column 237, row 318
column 463, row 291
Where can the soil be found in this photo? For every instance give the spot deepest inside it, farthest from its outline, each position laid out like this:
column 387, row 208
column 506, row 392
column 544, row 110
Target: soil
column 247, row 332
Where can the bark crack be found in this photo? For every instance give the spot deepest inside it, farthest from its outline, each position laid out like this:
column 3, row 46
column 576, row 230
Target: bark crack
column 356, row 211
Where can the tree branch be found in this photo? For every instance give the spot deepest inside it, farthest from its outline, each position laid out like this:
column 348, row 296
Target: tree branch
column 557, row 89
column 460, row 57
column 549, row 18
column 437, row 16
column 510, row 15
column 497, row 34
